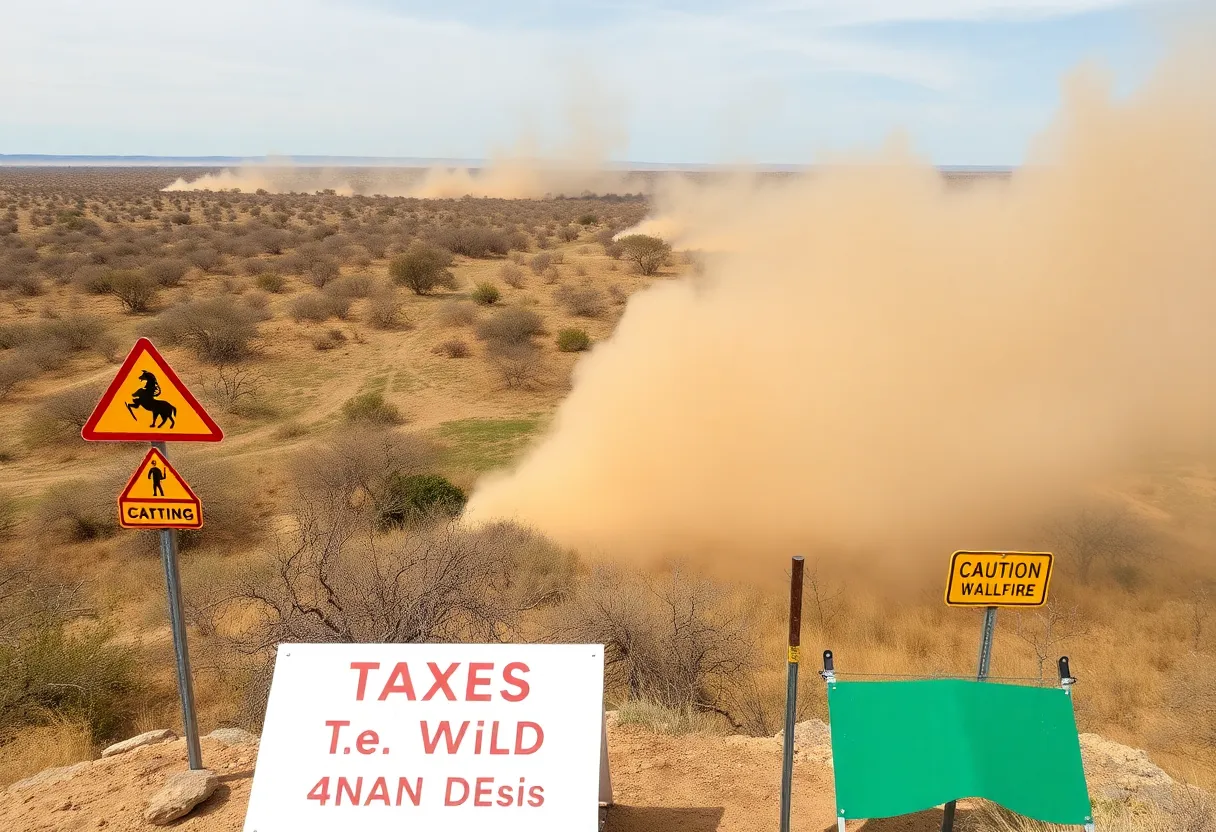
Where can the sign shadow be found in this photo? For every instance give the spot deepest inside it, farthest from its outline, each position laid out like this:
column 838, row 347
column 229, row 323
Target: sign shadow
column 651, row 818
column 930, row 820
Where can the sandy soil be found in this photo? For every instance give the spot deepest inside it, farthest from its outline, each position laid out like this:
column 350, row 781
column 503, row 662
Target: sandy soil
column 662, row 784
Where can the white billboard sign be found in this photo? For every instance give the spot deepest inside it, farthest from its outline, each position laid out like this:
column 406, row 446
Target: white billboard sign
column 431, row 736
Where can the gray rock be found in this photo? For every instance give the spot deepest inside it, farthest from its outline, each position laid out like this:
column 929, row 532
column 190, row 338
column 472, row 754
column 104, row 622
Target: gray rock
column 49, row 777
column 182, row 792
column 147, row 738
column 233, row 736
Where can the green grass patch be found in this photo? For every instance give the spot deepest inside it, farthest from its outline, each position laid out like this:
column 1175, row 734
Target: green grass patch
column 484, row 444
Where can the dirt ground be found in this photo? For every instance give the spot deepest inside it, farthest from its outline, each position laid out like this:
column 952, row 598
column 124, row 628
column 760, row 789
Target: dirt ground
column 661, row 783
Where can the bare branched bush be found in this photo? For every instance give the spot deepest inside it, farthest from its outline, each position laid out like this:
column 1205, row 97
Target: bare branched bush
column 520, row 366
column 673, row 641
column 648, row 254
column 319, row 306
column 237, row 389
column 333, row 580
column 541, row 262
column 1106, row 536
column 453, row 348
column 167, row 272
column 15, row 370
column 1047, row 630
column 78, row 510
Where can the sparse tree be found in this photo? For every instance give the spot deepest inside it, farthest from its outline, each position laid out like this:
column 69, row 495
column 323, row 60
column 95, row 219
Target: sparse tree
column 648, row 254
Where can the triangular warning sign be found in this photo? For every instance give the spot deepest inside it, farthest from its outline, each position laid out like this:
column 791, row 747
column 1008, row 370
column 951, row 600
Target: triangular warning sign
column 147, row 402
column 156, row 497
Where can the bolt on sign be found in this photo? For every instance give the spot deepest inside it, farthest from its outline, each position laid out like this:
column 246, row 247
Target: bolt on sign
column 147, row 402
column 156, row 497
column 998, row 579
column 458, row 737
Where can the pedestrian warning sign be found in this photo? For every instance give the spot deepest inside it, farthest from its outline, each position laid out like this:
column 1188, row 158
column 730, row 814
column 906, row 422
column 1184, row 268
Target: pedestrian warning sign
column 998, row 579
column 156, row 497
column 147, row 402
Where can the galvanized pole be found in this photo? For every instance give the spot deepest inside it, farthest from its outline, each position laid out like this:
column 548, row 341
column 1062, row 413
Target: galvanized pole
column 791, row 691
column 980, row 675
column 177, row 622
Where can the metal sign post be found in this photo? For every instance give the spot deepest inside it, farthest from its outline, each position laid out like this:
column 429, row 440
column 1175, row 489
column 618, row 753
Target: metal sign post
column 791, row 691
column 981, row 674
column 181, row 649
column 147, row 402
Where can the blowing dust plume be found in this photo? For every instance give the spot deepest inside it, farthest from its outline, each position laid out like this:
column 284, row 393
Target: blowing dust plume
column 875, row 361
column 579, row 164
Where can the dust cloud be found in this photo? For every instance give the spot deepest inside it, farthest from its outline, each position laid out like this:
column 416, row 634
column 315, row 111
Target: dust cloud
column 875, row 360
column 578, row 164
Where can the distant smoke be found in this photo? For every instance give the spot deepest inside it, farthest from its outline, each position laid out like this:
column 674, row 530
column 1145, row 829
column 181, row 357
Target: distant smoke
column 874, row 360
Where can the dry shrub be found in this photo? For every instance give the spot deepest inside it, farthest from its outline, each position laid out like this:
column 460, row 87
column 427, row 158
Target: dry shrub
column 453, row 348
column 60, row 416
column 336, row 581
column 457, row 313
column 321, row 272
column 384, row 307
column 674, row 641
column 472, row 240
column 512, row 275
column 168, row 272
column 573, row 340
column 78, row 510
column 371, row 407
column 512, row 327
column 207, row 259
column 329, row 339
column 50, row 673
column 541, row 262
column 584, row 301
column 15, row 370
column 34, row 748
column 229, row 494
column 136, row 291
column 319, row 306
column 219, row 330
column 351, row 286
column 520, row 366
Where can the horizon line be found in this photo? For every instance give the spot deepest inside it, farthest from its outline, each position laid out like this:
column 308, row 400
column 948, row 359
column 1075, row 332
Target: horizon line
column 312, row 160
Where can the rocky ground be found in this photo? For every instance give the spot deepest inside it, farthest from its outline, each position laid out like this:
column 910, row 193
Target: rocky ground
column 662, row 783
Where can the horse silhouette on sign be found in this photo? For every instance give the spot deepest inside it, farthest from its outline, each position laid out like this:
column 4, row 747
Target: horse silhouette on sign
column 145, row 397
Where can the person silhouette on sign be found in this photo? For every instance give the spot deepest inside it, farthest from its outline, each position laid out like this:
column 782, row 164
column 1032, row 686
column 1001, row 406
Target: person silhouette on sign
column 156, row 475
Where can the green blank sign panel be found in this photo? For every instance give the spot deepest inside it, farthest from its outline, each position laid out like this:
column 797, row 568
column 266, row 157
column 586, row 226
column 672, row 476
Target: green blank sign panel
column 902, row 747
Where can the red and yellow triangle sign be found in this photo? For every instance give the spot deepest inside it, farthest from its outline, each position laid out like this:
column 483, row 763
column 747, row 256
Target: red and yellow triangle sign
column 156, row 497
column 147, row 402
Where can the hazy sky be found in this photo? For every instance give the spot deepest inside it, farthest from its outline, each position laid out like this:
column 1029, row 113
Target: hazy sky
column 670, row 81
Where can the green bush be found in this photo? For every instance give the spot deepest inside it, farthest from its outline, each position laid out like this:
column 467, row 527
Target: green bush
column 371, row 407
column 272, row 282
column 486, row 294
column 648, row 254
column 573, row 340
column 414, row 497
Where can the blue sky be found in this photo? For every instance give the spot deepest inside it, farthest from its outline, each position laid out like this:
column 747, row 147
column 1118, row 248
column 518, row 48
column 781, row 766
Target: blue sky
column 768, row 81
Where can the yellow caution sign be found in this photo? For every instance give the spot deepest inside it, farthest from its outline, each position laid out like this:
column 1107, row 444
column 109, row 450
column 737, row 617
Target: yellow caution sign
column 156, row 497
column 998, row 579
column 147, row 402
